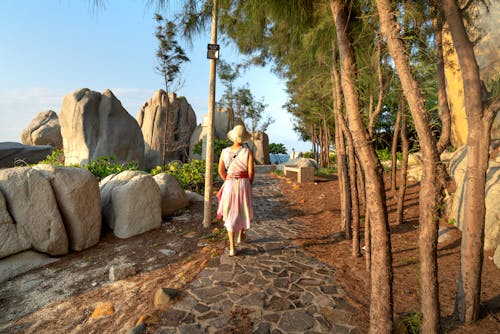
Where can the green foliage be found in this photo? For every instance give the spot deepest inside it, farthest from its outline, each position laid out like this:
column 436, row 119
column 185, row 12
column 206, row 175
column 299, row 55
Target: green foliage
column 309, row 155
column 190, row 175
column 414, row 322
column 105, row 166
column 384, row 154
column 275, row 148
column 56, row 158
column 169, row 55
column 219, row 145
column 326, row 171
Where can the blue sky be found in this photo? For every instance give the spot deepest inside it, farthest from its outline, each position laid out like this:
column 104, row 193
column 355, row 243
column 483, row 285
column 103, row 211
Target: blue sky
column 50, row 48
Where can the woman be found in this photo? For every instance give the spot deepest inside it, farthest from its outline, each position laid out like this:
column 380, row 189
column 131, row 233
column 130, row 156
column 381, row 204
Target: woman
column 236, row 168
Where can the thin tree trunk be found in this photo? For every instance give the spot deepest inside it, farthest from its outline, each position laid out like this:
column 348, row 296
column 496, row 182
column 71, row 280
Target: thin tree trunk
column 209, row 166
column 356, row 252
column 381, row 305
column 431, row 185
column 444, row 110
column 345, row 191
column 394, row 150
column 381, row 89
column 478, row 141
column 405, row 145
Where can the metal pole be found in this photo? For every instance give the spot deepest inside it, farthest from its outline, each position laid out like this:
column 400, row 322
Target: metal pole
column 209, row 165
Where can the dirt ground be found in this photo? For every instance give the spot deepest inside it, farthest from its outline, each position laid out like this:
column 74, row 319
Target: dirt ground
column 318, row 207
column 64, row 296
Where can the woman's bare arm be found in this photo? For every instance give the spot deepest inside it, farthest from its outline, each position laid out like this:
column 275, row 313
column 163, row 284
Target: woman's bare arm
column 251, row 164
column 222, row 169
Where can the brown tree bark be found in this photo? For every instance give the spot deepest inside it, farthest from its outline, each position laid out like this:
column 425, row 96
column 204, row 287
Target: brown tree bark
column 480, row 120
column 381, row 93
column 405, row 145
column 394, row 150
column 444, row 110
column 381, row 305
column 432, row 182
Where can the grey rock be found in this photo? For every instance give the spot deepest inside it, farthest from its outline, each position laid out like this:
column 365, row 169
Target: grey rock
column 152, row 120
column 120, row 272
column 22, row 262
column 11, row 241
column 78, row 198
column 44, row 129
column 260, row 148
column 95, row 125
column 131, row 203
column 16, row 154
column 139, row 329
column 496, row 257
column 33, row 207
column 173, row 197
column 456, row 212
column 296, row 321
column 194, row 197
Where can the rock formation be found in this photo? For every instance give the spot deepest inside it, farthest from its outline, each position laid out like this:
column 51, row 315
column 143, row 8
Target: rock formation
column 260, row 148
column 173, row 197
column 44, row 129
column 16, row 154
column 152, row 121
column 78, row 198
column 33, row 207
column 94, row 125
column 458, row 171
column 131, row 203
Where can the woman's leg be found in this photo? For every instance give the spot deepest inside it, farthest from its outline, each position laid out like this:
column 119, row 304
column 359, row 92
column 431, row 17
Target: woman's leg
column 230, row 234
column 241, row 235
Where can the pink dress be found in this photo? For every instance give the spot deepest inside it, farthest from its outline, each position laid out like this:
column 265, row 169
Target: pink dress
column 235, row 195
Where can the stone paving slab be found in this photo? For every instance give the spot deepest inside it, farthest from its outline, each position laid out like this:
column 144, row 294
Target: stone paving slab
column 271, row 286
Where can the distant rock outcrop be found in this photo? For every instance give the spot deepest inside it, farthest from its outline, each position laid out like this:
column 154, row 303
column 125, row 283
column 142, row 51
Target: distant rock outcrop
column 44, row 129
column 12, row 154
column 152, row 121
column 94, row 125
column 260, row 143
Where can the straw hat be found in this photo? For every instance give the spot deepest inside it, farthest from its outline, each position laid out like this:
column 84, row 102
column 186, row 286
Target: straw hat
column 239, row 134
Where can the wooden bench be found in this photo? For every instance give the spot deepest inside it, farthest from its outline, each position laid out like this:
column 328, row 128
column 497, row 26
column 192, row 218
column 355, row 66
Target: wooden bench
column 304, row 174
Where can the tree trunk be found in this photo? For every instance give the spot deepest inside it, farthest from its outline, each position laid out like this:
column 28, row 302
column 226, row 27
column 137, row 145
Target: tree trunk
column 405, row 145
column 478, row 141
column 444, row 110
column 381, row 306
column 381, row 89
column 345, row 191
column 394, row 150
column 209, row 166
column 431, row 185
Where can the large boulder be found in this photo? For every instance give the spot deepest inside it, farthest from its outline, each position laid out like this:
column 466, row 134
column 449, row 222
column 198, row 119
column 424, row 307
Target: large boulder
column 33, row 207
column 152, row 121
column 131, row 203
column 12, row 154
column 456, row 214
column 223, row 122
column 44, row 129
column 94, row 125
column 260, row 148
column 22, row 262
column 79, row 202
column 173, row 197
column 11, row 241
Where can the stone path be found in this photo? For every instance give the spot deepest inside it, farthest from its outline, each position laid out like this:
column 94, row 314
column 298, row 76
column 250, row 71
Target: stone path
column 270, row 287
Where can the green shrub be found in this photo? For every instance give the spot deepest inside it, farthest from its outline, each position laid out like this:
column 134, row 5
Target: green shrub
column 219, row 145
column 105, row 166
column 414, row 322
column 384, row 154
column 56, row 158
column 190, row 175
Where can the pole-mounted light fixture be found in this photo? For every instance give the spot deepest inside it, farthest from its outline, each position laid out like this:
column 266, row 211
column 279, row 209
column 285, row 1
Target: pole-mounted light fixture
column 213, row 51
